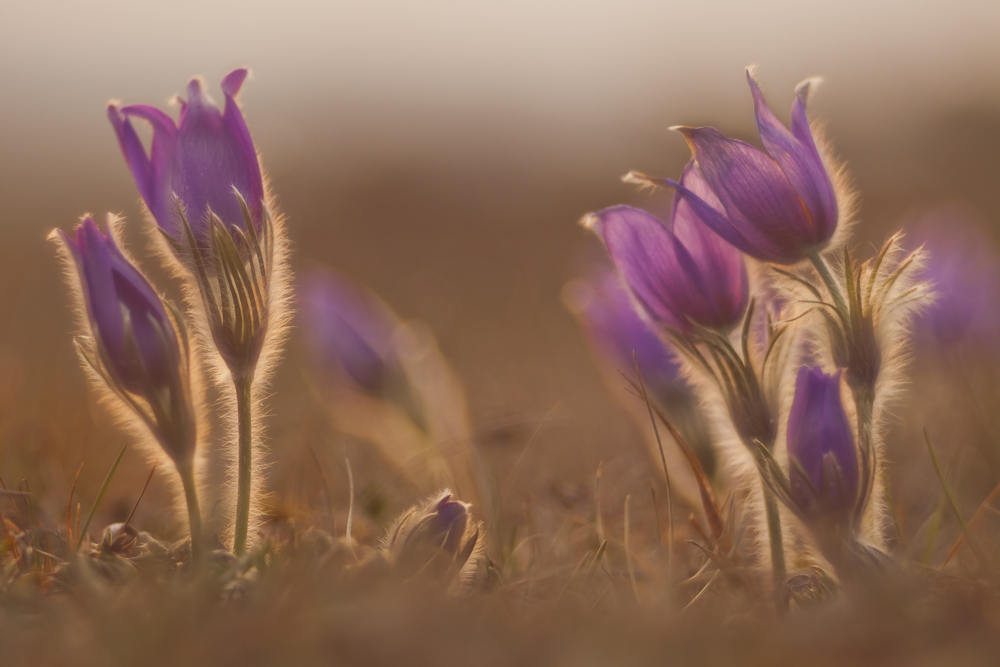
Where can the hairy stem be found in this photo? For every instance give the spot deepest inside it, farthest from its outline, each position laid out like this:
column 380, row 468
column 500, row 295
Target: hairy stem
column 777, row 547
column 244, row 416
column 823, row 269
column 186, row 472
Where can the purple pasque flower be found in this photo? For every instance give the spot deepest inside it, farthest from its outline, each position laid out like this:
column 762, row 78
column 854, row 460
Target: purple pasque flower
column 778, row 206
column 348, row 332
column 681, row 274
column 134, row 344
column 616, row 331
column 203, row 160
column 964, row 271
column 129, row 321
column 823, row 459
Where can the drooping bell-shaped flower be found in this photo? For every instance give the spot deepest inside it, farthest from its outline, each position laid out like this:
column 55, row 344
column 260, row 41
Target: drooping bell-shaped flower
column 964, row 272
column 823, row 459
column 778, row 206
column 678, row 274
column 615, row 331
column 203, row 161
column 134, row 343
column 348, row 332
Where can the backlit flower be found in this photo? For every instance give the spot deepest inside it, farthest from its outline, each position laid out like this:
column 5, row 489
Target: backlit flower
column 778, row 206
column 203, row 161
column 681, row 274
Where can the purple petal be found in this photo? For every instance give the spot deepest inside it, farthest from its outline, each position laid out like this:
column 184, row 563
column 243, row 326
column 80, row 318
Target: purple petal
column 644, row 252
column 759, row 200
column 347, row 332
column 616, row 332
column 232, row 82
column 818, row 430
column 719, row 266
column 797, row 155
column 164, row 180
column 215, row 158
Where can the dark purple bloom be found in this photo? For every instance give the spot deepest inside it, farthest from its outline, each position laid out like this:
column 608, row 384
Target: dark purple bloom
column 777, row 206
column 681, row 274
column 823, row 461
column 616, row 331
column 129, row 322
column 200, row 160
column 964, row 273
column 348, row 332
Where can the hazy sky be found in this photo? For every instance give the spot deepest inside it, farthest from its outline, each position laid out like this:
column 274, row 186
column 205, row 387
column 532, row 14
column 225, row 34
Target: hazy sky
column 528, row 56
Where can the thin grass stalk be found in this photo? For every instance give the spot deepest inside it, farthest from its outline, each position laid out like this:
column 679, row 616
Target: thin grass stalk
column 973, row 544
column 244, row 417
column 97, row 502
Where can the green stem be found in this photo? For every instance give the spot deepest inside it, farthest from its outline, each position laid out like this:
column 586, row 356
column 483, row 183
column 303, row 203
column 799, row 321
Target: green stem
column 777, row 547
column 186, row 472
column 831, row 285
column 244, row 416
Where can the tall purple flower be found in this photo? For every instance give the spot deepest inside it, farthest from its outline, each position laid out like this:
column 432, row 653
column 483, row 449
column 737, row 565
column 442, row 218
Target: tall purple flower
column 778, row 206
column 823, row 460
column 964, row 271
column 137, row 350
column 348, row 332
column 681, row 274
column 616, row 331
column 202, row 161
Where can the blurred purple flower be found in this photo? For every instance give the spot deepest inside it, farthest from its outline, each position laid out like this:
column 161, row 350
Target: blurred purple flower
column 615, row 330
column 964, row 272
column 778, row 206
column 129, row 322
column 681, row 274
column 201, row 160
column 823, row 461
column 348, row 331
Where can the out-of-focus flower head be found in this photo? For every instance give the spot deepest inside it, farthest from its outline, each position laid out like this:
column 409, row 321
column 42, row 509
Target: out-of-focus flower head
column 823, row 459
column 437, row 539
column 964, row 272
column 777, row 206
column 348, row 332
column 134, row 344
column 203, row 161
column 681, row 274
column 615, row 331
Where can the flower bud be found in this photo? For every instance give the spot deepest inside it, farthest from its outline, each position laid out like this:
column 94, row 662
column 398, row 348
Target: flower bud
column 437, row 537
column 348, row 333
column 779, row 206
column 134, row 344
column 823, row 459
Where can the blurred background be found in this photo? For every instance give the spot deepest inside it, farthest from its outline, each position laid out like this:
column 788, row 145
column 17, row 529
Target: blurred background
column 442, row 152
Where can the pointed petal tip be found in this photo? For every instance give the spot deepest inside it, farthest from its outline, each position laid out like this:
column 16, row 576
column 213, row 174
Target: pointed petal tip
column 232, row 82
column 591, row 221
column 805, row 87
